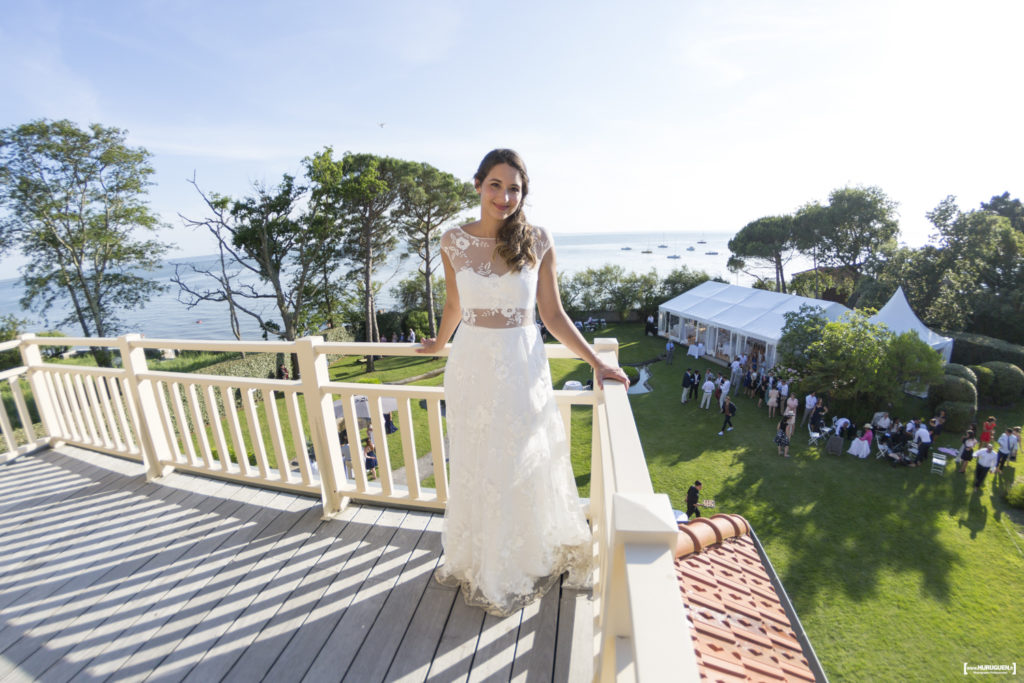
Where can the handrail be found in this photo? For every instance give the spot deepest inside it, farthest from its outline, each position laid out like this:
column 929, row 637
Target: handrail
column 238, row 428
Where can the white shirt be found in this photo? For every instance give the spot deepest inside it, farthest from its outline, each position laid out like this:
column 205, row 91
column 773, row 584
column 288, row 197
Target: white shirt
column 842, row 423
column 987, row 458
column 725, row 386
column 412, row 337
column 885, row 422
column 922, row 435
column 736, row 365
column 784, row 390
column 1007, row 443
column 810, row 401
column 708, row 386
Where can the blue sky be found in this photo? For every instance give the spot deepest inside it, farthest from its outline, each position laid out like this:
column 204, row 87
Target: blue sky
column 641, row 116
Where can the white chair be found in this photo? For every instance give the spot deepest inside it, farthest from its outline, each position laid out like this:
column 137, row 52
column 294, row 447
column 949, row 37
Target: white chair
column 939, row 461
column 815, row 436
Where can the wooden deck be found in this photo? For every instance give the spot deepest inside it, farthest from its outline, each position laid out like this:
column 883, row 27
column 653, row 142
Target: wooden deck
column 104, row 576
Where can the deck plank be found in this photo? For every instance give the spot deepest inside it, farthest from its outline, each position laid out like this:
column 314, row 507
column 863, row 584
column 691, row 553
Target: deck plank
column 405, row 576
column 275, row 637
column 574, row 648
column 535, row 649
column 107, row 576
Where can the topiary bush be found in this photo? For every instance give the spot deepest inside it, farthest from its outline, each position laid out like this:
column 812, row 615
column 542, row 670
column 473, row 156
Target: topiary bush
column 958, row 370
column 955, row 389
column 1015, row 496
column 1007, row 382
column 986, row 378
column 959, row 414
column 972, row 349
column 632, row 373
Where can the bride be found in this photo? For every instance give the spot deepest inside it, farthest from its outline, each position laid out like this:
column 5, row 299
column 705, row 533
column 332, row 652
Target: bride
column 513, row 523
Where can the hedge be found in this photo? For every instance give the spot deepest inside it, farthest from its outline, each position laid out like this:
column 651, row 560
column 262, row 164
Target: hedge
column 973, row 349
column 1008, row 382
column 958, row 370
column 1015, row 496
column 959, row 414
column 986, row 378
column 952, row 389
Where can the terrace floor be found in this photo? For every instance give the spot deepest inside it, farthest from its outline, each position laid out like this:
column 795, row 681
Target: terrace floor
column 106, row 576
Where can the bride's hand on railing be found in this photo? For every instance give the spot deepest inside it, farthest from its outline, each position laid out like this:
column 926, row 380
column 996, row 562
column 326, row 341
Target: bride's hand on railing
column 611, row 372
column 430, row 347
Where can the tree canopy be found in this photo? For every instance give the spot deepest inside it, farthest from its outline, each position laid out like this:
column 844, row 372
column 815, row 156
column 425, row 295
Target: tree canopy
column 767, row 241
column 75, row 203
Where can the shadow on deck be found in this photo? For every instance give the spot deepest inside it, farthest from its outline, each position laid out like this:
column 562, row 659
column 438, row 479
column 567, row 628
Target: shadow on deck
column 103, row 575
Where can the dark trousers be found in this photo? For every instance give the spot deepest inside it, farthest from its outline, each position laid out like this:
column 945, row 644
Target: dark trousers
column 980, row 472
column 1003, row 457
column 922, row 451
column 692, row 511
column 727, row 422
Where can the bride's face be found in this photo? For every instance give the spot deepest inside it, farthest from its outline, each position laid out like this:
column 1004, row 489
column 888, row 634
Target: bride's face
column 500, row 192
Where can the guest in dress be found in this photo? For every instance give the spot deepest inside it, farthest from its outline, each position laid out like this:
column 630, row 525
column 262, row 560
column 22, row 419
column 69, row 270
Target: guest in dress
column 966, row 452
column 773, row 401
column 988, row 430
column 782, row 437
column 861, row 446
column 369, row 457
column 790, row 414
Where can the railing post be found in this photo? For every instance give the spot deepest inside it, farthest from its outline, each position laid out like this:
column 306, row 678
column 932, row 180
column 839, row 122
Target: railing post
column 32, row 359
column 643, row 582
column 156, row 451
column 320, row 412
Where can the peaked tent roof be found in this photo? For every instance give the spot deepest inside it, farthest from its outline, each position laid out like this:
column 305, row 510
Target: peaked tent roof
column 899, row 317
column 754, row 312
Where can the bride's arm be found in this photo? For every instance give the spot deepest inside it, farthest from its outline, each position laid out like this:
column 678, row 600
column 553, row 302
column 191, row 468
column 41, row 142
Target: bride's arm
column 451, row 316
column 549, row 303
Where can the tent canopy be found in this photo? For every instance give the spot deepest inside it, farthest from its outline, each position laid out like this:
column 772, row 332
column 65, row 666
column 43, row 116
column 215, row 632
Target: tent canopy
column 899, row 317
column 753, row 312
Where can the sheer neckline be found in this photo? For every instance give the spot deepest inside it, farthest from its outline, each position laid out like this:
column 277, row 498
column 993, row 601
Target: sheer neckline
column 476, row 237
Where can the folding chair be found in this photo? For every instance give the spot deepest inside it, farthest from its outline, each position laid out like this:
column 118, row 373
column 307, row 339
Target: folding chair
column 939, row 461
column 815, row 436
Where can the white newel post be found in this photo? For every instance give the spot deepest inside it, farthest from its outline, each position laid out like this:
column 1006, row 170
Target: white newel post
column 320, row 412
column 156, row 451
column 32, row 359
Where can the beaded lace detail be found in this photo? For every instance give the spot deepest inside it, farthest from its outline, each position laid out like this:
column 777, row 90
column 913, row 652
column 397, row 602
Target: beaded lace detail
column 491, row 295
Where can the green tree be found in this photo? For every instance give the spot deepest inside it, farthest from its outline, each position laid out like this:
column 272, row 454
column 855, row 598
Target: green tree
column 269, row 259
column 636, row 291
column 861, row 222
column 428, row 200
column 681, row 280
column 1012, row 209
column 766, row 242
column 810, row 223
column 410, row 294
column 361, row 193
column 803, row 327
column 74, row 202
column 10, row 327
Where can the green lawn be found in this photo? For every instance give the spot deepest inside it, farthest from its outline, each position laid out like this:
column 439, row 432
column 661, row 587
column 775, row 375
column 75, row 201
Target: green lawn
column 896, row 573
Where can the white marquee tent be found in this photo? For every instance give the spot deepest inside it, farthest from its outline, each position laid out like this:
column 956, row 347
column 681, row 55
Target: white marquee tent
column 723, row 321
column 899, row 317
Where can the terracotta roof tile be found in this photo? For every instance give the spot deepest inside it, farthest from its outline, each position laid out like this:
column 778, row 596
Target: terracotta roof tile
column 739, row 626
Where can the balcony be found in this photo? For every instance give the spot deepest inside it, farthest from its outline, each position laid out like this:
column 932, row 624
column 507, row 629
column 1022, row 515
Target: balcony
column 213, row 546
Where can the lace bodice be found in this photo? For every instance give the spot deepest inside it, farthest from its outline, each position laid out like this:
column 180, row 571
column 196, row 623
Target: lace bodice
column 490, row 294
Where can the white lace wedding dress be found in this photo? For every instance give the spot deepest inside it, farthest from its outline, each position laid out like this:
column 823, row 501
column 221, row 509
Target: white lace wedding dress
column 513, row 523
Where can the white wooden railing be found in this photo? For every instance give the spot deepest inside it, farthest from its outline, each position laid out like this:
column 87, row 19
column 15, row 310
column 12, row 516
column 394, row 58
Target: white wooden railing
column 233, row 428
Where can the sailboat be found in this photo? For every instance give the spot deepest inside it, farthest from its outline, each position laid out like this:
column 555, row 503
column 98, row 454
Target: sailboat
column 690, row 248
column 662, row 246
column 647, row 250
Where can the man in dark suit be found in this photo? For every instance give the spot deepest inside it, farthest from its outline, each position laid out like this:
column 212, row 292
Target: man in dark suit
column 692, row 498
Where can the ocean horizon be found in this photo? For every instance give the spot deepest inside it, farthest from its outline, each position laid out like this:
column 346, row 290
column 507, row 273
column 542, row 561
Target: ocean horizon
column 165, row 317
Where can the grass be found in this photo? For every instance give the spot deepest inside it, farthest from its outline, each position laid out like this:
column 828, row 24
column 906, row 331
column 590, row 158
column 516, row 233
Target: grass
column 895, row 573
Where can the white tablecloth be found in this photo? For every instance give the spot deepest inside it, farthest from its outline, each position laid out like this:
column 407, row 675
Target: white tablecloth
column 695, row 350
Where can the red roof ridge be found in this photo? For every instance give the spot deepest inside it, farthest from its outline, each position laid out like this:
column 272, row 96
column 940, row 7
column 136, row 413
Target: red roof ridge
column 701, row 533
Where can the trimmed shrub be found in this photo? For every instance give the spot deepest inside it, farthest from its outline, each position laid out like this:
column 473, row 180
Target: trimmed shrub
column 952, row 388
column 986, row 378
column 418, row 321
column 632, row 373
column 1007, row 382
column 958, row 370
column 972, row 349
column 1015, row 496
column 959, row 414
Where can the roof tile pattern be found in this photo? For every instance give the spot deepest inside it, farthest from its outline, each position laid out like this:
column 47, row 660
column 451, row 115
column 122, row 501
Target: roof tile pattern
column 740, row 629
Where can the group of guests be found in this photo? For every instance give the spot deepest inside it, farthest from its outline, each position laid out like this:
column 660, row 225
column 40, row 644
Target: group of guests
column 400, row 338
column 712, row 386
column 990, row 453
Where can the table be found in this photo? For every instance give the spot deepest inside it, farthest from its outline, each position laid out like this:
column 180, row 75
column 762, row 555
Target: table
column 695, row 350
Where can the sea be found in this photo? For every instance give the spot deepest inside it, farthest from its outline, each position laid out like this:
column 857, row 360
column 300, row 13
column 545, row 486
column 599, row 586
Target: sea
column 165, row 316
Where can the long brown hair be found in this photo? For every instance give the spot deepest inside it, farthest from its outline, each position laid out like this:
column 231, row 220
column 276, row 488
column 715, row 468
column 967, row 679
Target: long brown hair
column 515, row 237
